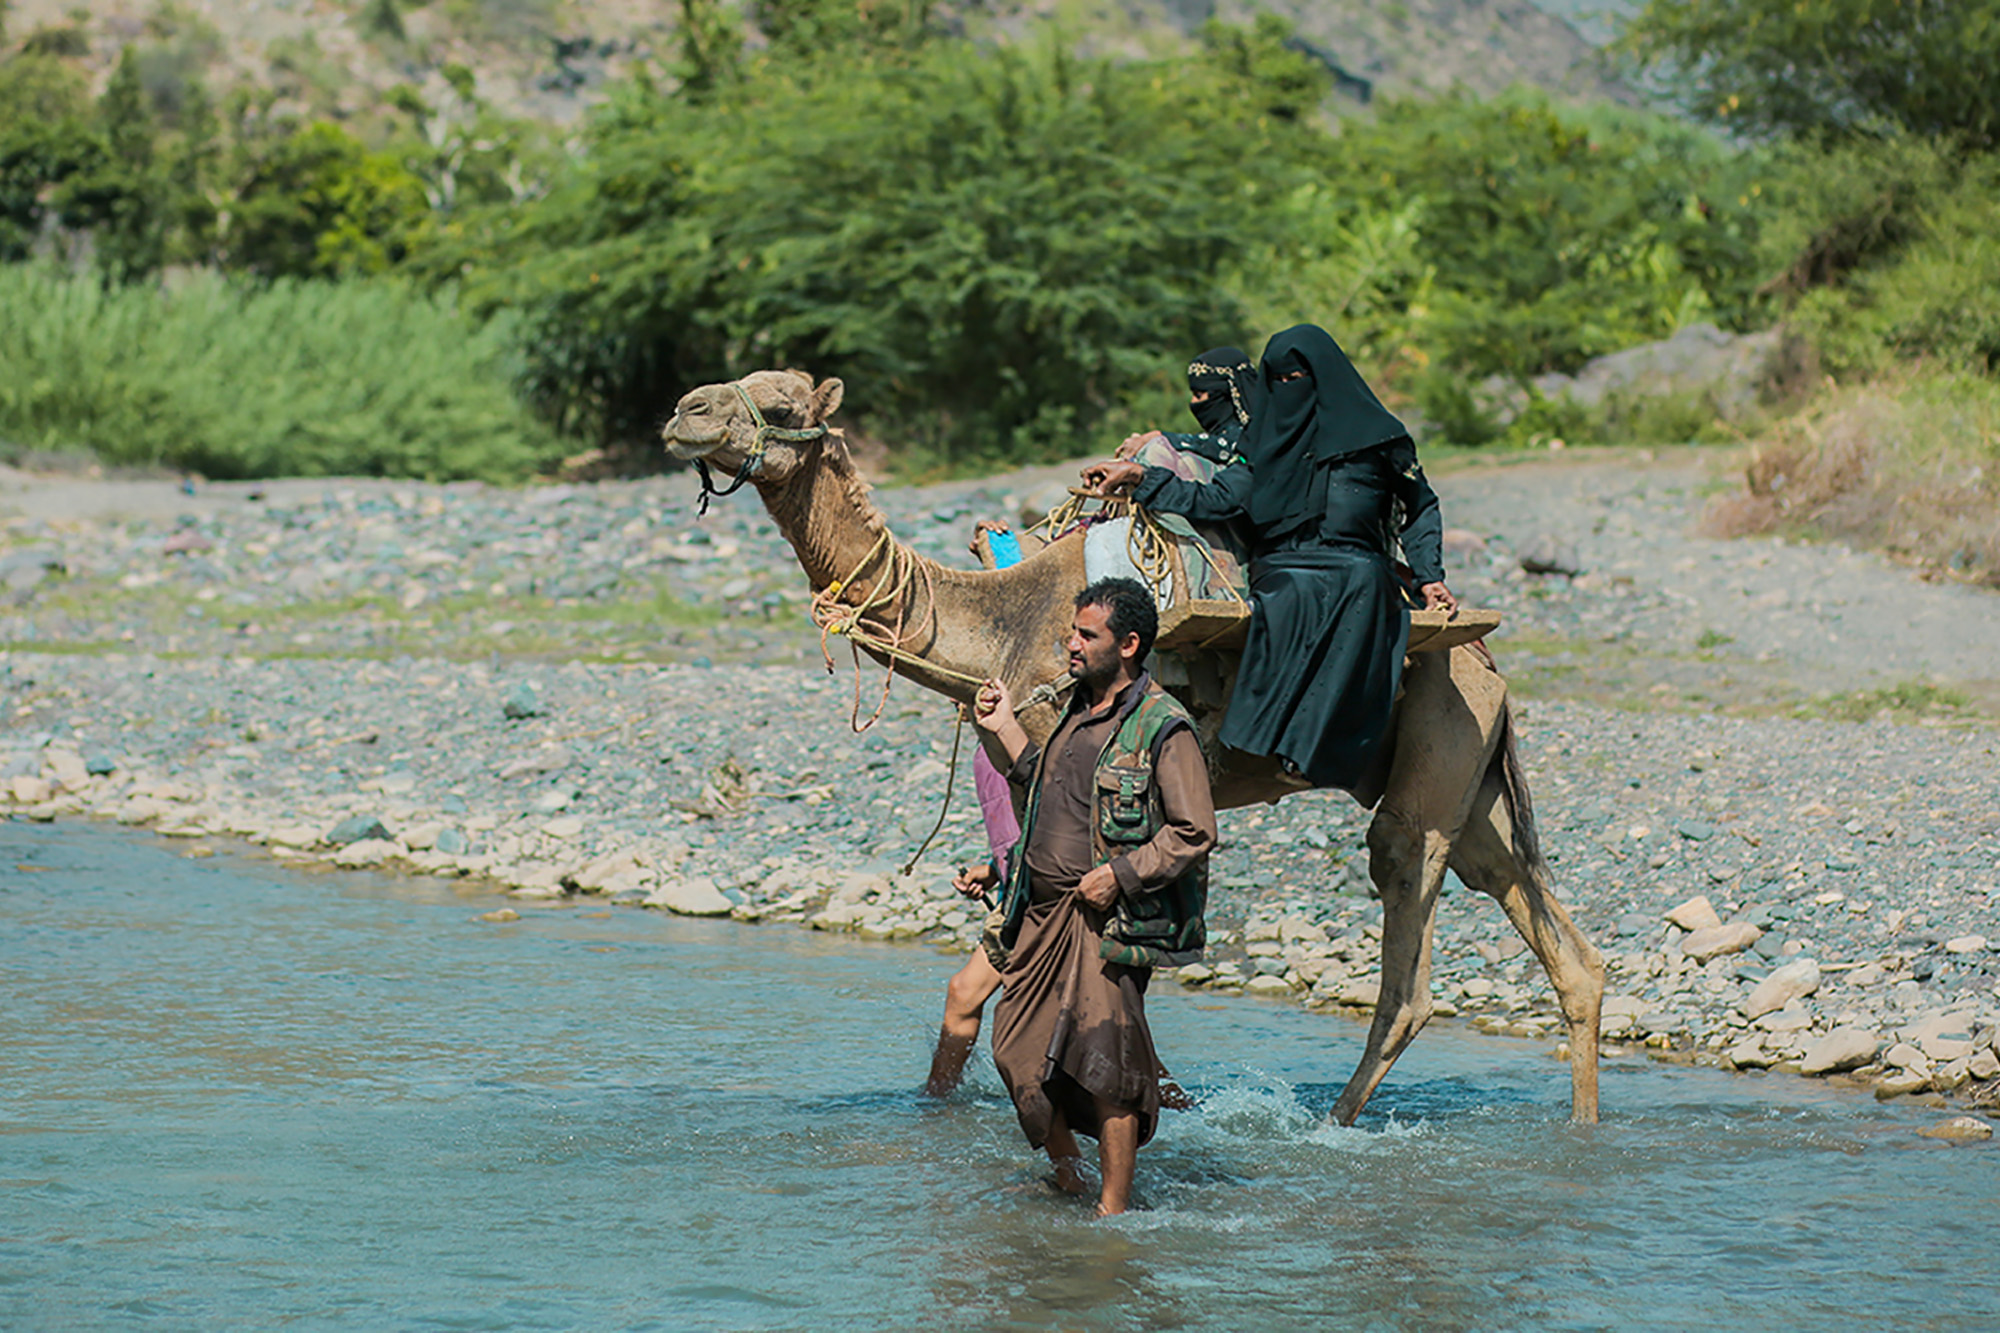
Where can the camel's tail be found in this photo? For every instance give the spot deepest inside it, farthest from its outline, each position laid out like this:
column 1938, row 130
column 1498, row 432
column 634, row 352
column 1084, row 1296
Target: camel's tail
column 1520, row 807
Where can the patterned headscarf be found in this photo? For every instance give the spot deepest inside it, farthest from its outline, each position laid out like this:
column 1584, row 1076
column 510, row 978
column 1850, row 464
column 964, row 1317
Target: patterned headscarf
column 1228, row 377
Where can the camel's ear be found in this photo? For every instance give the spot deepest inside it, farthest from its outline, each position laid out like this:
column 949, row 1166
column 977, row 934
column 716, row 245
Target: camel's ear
column 826, row 399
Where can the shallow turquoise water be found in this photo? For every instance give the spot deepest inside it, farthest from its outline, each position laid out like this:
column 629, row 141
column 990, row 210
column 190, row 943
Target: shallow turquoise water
column 234, row 1096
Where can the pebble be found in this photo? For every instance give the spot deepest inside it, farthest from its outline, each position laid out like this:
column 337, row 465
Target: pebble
column 356, row 828
column 1720, row 941
column 1960, row 1128
column 523, row 701
column 1839, row 1050
column 365, row 852
column 1794, row 981
column 1696, row 913
column 695, row 895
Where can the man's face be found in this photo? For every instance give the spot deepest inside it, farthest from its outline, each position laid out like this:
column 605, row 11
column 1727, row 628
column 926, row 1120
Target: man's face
column 1093, row 652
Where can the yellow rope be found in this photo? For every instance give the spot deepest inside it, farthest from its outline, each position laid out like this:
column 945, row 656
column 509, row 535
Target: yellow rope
column 904, row 570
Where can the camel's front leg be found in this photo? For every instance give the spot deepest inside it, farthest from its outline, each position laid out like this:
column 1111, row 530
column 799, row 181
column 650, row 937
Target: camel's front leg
column 1486, row 857
column 1407, row 863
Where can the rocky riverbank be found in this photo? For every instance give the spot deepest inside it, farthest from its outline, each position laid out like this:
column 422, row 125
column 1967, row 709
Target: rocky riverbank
column 579, row 694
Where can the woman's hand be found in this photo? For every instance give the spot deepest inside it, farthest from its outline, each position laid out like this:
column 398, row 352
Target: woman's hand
column 1134, row 443
column 979, row 531
column 1437, row 597
column 1112, row 477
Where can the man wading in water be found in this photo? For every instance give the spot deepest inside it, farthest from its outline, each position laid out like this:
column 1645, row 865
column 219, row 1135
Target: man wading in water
column 1109, row 881
column 1223, row 392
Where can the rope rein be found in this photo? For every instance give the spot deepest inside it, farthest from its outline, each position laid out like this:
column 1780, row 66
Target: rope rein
column 754, row 459
column 889, row 600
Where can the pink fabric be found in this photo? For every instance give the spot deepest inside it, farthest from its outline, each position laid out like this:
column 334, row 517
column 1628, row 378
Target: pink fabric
column 996, row 807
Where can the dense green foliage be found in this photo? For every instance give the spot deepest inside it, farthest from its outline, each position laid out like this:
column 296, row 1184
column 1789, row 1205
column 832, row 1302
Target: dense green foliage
column 1008, row 253
column 1925, row 67
column 994, row 250
column 1000, row 249
column 298, row 378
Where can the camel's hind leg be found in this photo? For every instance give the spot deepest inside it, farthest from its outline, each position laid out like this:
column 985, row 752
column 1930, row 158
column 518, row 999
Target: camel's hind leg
column 1489, row 856
column 1444, row 740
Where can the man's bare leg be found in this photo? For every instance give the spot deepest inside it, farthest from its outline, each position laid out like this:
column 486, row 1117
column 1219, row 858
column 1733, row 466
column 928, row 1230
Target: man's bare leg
column 1117, row 1155
column 1064, row 1156
column 965, row 1000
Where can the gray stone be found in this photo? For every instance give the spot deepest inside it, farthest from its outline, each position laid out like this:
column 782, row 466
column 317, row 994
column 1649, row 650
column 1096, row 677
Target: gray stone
column 1549, row 554
column 1720, row 941
column 522, row 701
column 1750, row 1053
column 99, row 764
column 452, row 842
column 1838, row 1050
column 357, row 828
column 1695, row 914
column 1900, row 1084
column 1794, row 981
column 1905, row 1056
column 1694, row 830
column 694, row 896
column 367, row 852
column 1698, row 360
column 1960, row 1128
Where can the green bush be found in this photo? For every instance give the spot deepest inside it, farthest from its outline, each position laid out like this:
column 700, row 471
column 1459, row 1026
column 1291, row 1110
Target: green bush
column 995, row 249
column 1552, row 235
column 1830, row 67
column 296, row 378
column 319, row 204
column 1896, row 258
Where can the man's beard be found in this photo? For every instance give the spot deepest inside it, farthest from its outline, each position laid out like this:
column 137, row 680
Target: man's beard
column 1093, row 676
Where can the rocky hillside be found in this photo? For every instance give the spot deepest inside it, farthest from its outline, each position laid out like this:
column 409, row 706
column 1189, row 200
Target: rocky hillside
column 551, row 59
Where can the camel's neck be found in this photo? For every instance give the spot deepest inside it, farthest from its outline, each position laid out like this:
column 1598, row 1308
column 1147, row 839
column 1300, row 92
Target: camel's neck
column 961, row 626
column 825, row 513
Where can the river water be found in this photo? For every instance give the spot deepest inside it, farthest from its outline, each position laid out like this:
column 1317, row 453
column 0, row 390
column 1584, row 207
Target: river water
column 239, row 1095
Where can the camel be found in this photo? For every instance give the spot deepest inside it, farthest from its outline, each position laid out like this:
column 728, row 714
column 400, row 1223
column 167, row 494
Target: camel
column 1453, row 795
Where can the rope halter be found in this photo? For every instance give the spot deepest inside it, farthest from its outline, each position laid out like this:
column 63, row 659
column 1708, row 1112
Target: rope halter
column 754, row 459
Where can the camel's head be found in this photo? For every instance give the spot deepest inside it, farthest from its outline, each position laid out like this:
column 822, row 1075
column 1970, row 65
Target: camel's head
column 773, row 416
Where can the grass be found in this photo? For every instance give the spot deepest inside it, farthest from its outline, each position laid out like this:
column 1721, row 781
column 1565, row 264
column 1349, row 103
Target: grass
column 1908, row 466
column 171, row 619
column 363, row 378
column 1904, row 702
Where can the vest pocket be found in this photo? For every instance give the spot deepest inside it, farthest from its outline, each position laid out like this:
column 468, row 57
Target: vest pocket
column 1121, row 803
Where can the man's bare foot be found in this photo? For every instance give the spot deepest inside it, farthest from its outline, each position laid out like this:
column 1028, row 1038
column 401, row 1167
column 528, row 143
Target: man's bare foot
column 1109, row 1210
column 1068, row 1177
column 1174, row 1097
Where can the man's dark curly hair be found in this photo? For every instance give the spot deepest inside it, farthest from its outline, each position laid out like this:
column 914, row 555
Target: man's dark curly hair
column 1130, row 608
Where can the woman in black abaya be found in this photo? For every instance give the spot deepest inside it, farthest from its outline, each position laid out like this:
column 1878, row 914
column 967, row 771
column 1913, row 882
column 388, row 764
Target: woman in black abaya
column 1329, row 484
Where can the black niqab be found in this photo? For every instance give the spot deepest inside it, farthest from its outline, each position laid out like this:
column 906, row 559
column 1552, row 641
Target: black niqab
column 1229, row 379
column 1327, row 413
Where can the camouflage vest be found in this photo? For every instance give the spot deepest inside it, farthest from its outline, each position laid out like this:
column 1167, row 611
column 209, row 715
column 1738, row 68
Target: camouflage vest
column 1163, row 927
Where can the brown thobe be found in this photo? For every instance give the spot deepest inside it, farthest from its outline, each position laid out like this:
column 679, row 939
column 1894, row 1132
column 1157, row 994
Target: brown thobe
column 1071, row 1027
